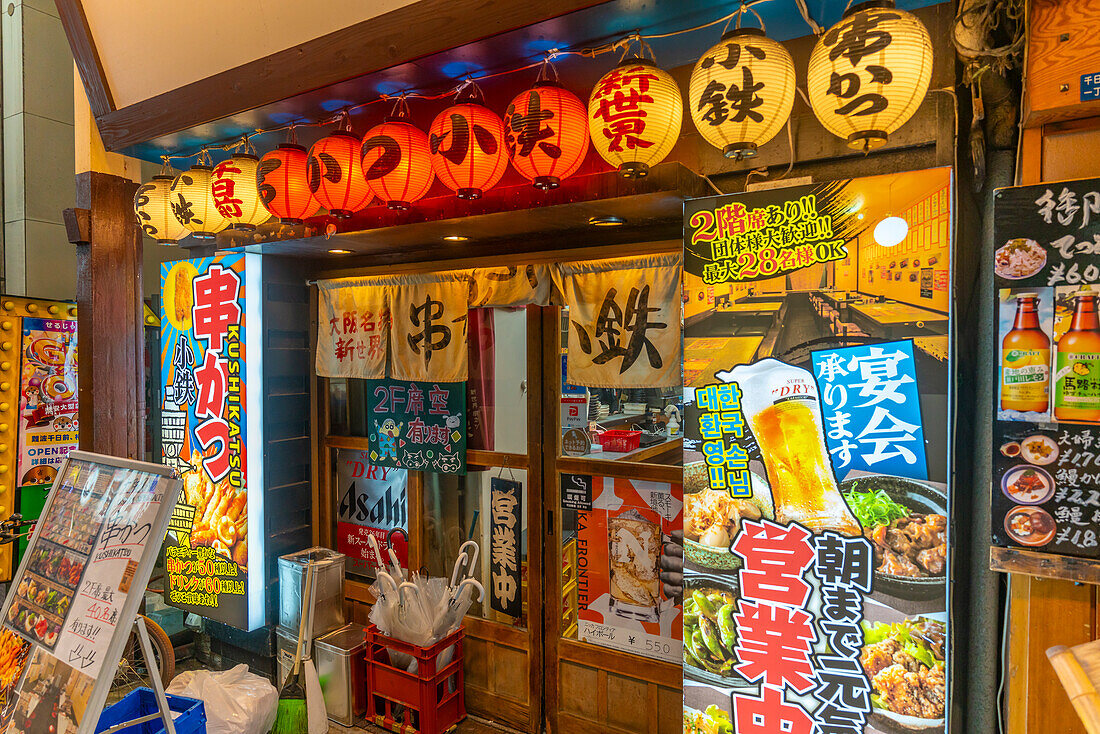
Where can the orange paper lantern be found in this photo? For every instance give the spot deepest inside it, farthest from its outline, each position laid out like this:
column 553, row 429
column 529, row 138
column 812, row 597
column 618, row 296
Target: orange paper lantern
column 336, row 174
column 546, row 130
column 397, row 162
column 283, row 179
column 467, row 146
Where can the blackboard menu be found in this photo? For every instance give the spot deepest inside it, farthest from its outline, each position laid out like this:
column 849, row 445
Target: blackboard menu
column 1046, row 408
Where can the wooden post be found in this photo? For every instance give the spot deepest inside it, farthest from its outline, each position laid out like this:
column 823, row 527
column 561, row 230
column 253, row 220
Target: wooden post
column 110, row 344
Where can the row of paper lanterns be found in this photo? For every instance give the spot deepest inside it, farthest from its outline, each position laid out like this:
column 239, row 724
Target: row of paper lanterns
column 866, row 77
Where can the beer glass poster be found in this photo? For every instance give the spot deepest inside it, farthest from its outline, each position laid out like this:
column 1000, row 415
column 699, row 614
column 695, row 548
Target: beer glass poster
column 1046, row 422
column 374, row 501
column 211, row 433
column 816, row 503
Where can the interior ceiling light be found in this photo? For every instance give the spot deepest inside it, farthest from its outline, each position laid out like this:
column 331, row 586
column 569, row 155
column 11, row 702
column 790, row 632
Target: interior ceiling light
column 890, row 231
column 339, row 252
column 606, row 221
column 456, row 238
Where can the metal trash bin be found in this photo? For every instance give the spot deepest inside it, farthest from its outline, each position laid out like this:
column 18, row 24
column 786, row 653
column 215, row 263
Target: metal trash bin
column 328, row 613
column 341, row 666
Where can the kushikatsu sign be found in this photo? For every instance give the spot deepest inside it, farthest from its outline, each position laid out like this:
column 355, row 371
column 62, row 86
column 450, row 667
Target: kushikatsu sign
column 816, row 493
column 211, row 433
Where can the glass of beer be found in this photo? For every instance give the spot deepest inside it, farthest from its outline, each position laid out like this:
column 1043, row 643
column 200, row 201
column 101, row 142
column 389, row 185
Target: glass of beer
column 783, row 409
column 634, row 554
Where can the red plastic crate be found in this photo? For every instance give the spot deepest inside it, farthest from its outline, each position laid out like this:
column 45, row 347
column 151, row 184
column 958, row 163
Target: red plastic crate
column 619, row 441
column 430, row 701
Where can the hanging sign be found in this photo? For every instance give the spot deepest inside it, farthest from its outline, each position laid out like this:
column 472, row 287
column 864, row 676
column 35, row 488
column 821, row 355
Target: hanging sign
column 429, row 327
column 353, row 328
column 48, row 404
column 417, row 425
column 212, row 433
column 374, row 500
column 79, row 585
column 622, row 530
column 816, row 439
column 505, row 564
column 624, row 321
column 1046, row 412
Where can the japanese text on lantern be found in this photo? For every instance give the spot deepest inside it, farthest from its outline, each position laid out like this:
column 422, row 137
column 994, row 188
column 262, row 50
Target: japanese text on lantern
column 621, row 96
column 742, row 100
column 357, row 334
column 872, row 409
column 216, row 316
column 721, row 423
column 854, row 41
column 748, row 244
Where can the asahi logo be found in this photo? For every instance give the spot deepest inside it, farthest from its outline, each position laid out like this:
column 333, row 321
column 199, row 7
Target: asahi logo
column 372, row 499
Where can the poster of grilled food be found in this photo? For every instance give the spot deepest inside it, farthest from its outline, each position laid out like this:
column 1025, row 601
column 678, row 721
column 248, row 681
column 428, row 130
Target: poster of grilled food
column 48, row 405
column 816, row 483
column 204, row 416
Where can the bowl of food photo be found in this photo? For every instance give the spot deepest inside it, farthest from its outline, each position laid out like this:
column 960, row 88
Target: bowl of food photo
column 906, row 522
column 712, row 518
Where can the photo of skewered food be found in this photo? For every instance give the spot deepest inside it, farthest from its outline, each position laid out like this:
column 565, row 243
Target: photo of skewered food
column 14, row 652
column 35, row 624
column 70, row 524
column 221, row 513
column 57, row 564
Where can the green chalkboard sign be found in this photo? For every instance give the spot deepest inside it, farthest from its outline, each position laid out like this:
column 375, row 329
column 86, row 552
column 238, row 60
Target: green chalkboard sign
column 418, row 425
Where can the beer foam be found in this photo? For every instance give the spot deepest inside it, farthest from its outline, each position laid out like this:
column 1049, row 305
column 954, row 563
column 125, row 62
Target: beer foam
column 767, row 382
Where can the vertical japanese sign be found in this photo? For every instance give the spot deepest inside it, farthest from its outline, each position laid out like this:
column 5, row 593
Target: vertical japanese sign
column 373, row 501
column 211, row 426
column 48, row 405
column 623, row 527
column 78, row 587
column 1046, row 421
column 417, row 425
column 816, row 461
column 505, row 563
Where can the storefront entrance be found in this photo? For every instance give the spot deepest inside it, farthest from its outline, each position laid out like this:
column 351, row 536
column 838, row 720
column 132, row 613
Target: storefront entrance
column 559, row 659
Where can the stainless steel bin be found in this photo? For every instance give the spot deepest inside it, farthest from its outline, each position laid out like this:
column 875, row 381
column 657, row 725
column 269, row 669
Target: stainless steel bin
column 328, row 614
column 341, row 666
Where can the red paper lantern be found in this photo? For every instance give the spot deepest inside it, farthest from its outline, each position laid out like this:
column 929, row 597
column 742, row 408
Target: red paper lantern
column 397, row 162
column 336, row 174
column 283, row 178
column 546, row 130
column 467, row 146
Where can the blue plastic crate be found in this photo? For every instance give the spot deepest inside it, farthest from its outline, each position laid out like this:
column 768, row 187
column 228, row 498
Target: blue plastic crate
column 142, row 702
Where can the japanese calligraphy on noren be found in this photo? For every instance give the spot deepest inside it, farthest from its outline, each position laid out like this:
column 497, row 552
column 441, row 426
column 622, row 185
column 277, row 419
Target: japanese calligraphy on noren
column 624, row 322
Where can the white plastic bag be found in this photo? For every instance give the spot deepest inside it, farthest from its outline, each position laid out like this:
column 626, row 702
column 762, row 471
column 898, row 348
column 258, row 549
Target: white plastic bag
column 236, row 701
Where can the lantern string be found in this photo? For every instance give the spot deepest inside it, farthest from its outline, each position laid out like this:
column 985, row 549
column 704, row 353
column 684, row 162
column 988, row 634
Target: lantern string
column 342, row 117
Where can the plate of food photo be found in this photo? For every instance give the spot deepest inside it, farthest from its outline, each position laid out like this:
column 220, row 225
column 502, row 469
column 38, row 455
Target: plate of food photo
column 906, row 522
column 712, row 518
column 905, row 662
column 1019, row 258
column 1032, row 526
column 710, row 634
column 1039, row 450
column 1027, row 485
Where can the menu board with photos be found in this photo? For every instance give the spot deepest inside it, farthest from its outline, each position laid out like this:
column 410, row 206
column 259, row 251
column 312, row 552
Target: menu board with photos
column 1046, row 409
column 70, row 601
column 816, row 495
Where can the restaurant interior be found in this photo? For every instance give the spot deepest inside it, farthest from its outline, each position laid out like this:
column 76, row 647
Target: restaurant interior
column 884, row 289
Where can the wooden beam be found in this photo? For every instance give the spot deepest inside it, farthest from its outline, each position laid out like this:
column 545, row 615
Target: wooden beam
column 394, row 38
column 87, row 57
column 111, row 346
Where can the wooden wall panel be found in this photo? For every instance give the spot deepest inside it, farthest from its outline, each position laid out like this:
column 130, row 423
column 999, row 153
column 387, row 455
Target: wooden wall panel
column 1064, row 44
